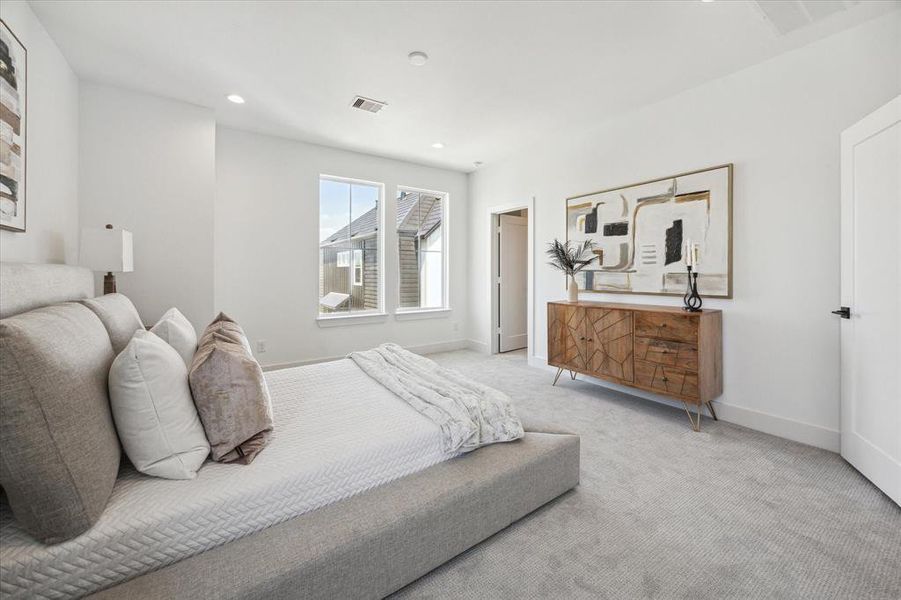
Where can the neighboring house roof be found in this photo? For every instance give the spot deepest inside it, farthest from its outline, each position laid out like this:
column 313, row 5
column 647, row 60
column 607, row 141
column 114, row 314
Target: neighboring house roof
column 418, row 213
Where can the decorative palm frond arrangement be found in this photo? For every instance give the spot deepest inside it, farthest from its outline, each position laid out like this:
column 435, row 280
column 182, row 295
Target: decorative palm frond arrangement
column 570, row 257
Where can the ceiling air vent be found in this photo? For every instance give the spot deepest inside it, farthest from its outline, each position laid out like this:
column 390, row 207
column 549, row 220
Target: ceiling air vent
column 788, row 15
column 368, row 104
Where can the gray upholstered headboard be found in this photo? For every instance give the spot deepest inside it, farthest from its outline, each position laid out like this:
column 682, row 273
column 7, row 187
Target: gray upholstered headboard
column 24, row 286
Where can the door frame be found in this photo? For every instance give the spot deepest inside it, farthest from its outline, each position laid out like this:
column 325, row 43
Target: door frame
column 493, row 222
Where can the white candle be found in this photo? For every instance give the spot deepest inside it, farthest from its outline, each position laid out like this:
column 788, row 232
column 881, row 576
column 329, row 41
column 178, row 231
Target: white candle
column 696, row 255
column 688, row 256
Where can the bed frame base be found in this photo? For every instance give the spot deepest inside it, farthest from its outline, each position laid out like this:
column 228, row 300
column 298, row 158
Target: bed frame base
column 375, row 543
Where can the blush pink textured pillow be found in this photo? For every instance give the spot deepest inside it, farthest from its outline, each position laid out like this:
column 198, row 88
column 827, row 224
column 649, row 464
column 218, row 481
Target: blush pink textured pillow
column 231, row 397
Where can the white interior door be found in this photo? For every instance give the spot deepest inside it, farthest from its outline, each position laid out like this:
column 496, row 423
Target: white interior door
column 871, row 291
column 513, row 250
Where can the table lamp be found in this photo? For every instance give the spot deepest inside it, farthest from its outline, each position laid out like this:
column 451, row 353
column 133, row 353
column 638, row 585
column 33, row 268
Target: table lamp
column 107, row 250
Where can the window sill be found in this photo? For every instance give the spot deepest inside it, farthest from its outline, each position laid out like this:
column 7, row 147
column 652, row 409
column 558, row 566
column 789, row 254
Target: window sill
column 358, row 319
column 421, row 313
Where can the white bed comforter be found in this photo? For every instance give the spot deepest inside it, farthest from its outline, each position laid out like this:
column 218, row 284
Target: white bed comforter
column 469, row 414
column 337, row 433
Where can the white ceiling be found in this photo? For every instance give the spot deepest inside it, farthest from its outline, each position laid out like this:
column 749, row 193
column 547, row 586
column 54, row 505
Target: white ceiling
column 501, row 75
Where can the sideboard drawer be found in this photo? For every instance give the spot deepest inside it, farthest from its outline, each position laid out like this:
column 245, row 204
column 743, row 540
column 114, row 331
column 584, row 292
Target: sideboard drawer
column 666, row 326
column 668, row 380
column 666, row 352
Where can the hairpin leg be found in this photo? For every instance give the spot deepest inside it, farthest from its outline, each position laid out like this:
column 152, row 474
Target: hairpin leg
column 557, row 376
column 572, row 375
column 712, row 412
column 695, row 419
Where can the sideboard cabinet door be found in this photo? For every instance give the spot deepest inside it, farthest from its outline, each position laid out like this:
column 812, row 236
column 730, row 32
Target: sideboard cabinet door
column 566, row 336
column 608, row 341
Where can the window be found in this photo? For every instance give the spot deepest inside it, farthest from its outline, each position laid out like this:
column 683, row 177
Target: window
column 421, row 249
column 358, row 267
column 350, row 273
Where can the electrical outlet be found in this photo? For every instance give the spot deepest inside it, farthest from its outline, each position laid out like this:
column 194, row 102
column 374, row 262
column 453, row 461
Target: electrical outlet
column 261, row 346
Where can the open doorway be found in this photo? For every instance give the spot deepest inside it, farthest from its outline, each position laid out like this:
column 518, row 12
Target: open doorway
column 521, row 268
column 512, row 281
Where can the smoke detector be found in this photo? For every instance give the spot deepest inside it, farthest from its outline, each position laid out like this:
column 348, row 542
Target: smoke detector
column 788, row 15
column 368, row 104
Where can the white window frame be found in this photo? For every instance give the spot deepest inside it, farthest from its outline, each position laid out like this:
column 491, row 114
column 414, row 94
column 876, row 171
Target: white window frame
column 360, row 316
column 419, row 312
column 342, row 259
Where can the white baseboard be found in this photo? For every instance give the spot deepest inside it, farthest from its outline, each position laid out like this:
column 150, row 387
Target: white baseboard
column 477, row 346
column 790, row 429
column 421, row 349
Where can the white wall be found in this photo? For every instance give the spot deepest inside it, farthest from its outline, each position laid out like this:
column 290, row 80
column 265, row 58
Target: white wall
column 148, row 165
column 52, row 148
column 779, row 122
column 267, row 229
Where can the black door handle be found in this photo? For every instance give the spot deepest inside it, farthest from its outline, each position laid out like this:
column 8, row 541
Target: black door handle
column 844, row 312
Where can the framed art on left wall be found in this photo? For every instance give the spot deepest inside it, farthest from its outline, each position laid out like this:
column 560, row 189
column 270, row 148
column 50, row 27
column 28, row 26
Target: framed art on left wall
column 13, row 71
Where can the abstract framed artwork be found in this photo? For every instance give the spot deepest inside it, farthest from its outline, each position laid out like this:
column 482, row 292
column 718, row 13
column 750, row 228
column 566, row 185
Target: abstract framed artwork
column 640, row 233
column 13, row 72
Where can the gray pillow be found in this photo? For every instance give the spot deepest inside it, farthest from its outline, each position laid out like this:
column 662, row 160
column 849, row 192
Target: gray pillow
column 60, row 451
column 119, row 316
column 231, row 397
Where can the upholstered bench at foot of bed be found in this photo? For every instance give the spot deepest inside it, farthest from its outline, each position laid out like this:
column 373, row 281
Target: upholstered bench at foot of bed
column 373, row 544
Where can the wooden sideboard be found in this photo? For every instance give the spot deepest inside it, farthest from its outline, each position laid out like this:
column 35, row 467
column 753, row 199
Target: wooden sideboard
column 661, row 349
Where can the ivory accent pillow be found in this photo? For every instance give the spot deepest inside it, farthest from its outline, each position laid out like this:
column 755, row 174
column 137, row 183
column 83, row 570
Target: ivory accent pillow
column 231, row 397
column 118, row 315
column 153, row 410
column 176, row 330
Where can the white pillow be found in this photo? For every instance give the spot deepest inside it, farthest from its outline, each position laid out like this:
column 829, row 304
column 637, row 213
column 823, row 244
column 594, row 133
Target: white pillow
column 154, row 411
column 176, row 330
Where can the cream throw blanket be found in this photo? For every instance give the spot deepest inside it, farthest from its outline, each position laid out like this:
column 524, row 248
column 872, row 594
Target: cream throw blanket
column 470, row 414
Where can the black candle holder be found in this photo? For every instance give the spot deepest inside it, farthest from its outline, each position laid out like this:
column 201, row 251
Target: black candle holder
column 692, row 299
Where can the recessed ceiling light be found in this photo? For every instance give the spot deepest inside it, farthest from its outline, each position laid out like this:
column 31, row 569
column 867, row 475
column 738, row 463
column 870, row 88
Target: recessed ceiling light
column 418, row 58
column 438, row 145
column 235, row 98
column 706, row 1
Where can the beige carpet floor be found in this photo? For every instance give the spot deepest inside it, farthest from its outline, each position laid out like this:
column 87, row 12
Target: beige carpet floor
column 663, row 512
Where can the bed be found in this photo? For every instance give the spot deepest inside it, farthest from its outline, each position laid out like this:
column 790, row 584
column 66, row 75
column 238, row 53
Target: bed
column 354, row 498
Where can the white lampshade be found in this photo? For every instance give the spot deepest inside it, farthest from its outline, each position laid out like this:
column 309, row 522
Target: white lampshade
column 107, row 250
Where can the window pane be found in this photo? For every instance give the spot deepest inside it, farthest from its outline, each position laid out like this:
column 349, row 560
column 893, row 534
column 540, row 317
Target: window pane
column 348, row 248
column 334, row 209
column 420, row 250
column 364, row 203
column 358, row 267
column 430, row 273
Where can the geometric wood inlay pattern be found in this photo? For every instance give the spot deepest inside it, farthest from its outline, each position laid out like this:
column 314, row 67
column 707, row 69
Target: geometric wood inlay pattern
column 666, row 379
column 666, row 352
column 661, row 349
column 609, row 342
column 574, row 349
